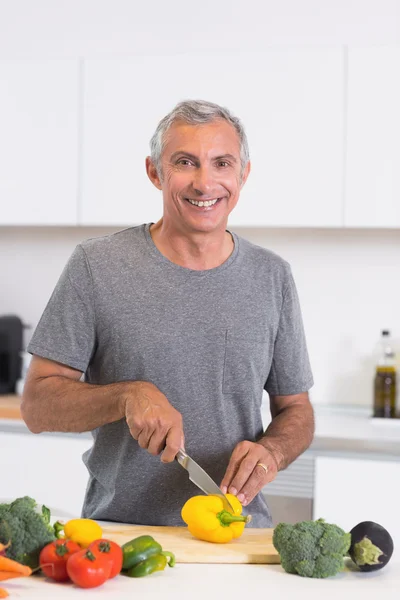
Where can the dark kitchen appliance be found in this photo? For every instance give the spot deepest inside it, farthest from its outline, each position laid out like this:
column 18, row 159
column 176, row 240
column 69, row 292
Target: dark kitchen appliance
column 11, row 341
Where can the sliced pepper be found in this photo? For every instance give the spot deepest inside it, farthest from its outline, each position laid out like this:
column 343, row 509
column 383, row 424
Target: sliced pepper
column 208, row 520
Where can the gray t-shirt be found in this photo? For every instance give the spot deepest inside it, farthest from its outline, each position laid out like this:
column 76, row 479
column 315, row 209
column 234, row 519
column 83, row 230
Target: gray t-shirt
column 209, row 340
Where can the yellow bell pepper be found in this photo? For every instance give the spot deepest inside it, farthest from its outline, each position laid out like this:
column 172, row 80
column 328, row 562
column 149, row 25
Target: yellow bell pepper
column 81, row 531
column 208, row 520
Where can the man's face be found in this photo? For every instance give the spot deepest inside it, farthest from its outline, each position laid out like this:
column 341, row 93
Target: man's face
column 201, row 175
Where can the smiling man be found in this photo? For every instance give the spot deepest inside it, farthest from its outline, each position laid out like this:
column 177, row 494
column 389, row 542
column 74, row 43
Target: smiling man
column 165, row 335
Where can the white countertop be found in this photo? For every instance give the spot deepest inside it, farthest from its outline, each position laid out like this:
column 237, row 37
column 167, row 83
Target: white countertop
column 351, row 428
column 225, row 581
column 356, row 422
column 354, row 428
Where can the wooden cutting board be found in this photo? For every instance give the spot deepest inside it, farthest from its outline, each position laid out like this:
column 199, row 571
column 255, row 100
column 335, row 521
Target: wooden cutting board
column 254, row 545
column 10, row 407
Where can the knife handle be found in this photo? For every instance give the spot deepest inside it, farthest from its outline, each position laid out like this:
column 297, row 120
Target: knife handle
column 181, row 457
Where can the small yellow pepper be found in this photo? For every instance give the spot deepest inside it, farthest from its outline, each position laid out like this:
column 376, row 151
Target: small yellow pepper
column 208, row 520
column 81, row 531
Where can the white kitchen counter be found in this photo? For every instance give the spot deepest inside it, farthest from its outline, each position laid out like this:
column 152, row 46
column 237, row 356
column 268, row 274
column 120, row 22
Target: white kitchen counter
column 346, row 428
column 224, row 581
column 355, row 422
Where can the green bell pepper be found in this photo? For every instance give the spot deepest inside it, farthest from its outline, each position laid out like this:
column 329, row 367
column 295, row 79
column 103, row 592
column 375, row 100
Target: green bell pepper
column 156, row 562
column 139, row 549
column 144, row 555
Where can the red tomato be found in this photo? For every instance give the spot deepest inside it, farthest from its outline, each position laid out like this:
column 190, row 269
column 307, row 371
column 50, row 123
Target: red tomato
column 54, row 556
column 110, row 550
column 87, row 570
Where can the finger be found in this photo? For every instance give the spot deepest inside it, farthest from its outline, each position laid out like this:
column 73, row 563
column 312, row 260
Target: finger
column 260, row 476
column 243, row 473
column 157, row 442
column 238, row 454
column 144, row 437
column 172, row 444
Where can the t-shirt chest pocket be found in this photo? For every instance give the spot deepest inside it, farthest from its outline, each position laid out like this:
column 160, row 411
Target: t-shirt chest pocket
column 247, row 361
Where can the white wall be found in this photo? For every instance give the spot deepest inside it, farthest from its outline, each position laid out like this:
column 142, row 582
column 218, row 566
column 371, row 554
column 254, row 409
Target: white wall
column 348, row 281
column 104, row 27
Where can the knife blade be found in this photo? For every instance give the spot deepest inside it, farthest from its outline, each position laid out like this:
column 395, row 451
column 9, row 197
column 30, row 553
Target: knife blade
column 201, row 478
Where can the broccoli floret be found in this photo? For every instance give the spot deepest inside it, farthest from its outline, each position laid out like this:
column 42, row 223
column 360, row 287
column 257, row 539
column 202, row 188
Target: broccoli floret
column 27, row 528
column 311, row 548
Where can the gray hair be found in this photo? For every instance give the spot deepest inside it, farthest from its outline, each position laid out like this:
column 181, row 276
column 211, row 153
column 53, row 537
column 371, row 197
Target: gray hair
column 196, row 112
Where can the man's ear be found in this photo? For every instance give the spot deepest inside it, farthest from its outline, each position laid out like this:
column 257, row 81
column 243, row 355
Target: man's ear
column 152, row 173
column 245, row 175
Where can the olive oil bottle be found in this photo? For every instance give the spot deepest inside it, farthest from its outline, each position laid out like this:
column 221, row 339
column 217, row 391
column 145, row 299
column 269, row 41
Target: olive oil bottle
column 385, row 384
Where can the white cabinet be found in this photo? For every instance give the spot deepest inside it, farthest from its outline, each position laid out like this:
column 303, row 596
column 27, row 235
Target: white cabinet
column 350, row 490
column 373, row 138
column 291, row 104
column 48, row 468
column 38, row 142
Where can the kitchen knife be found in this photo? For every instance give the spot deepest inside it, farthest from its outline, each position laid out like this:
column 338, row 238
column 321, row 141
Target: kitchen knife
column 201, row 479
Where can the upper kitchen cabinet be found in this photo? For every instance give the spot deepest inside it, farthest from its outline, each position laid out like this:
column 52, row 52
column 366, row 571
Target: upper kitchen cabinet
column 38, row 142
column 290, row 101
column 373, row 148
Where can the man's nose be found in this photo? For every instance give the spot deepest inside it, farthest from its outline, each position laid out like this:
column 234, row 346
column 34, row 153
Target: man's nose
column 203, row 181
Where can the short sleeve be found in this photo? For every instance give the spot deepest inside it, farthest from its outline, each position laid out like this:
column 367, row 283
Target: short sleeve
column 66, row 330
column 290, row 369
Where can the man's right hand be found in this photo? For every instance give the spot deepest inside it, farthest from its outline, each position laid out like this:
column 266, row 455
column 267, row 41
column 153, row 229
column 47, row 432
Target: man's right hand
column 153, row 421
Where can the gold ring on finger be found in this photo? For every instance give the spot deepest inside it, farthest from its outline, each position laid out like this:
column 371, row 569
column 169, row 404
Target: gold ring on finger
column 262, row 466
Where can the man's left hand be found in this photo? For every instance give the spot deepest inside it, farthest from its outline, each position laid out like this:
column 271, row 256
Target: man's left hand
column 250, row 468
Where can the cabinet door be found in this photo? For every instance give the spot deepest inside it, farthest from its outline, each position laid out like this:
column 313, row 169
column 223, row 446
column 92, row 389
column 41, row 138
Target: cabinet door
column 48, row 468
column 373, row 138
column 350, row 490
column 38, row 142
column 289, row 100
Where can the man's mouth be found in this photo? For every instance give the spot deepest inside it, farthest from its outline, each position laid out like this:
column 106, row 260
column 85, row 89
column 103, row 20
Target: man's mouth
column 203, row 203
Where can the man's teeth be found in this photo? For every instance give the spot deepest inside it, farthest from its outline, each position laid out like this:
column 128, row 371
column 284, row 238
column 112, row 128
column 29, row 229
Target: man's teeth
column 206, row 203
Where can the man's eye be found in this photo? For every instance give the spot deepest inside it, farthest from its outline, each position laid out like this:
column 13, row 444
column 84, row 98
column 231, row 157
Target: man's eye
column 223, row 163
column 184, row 161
